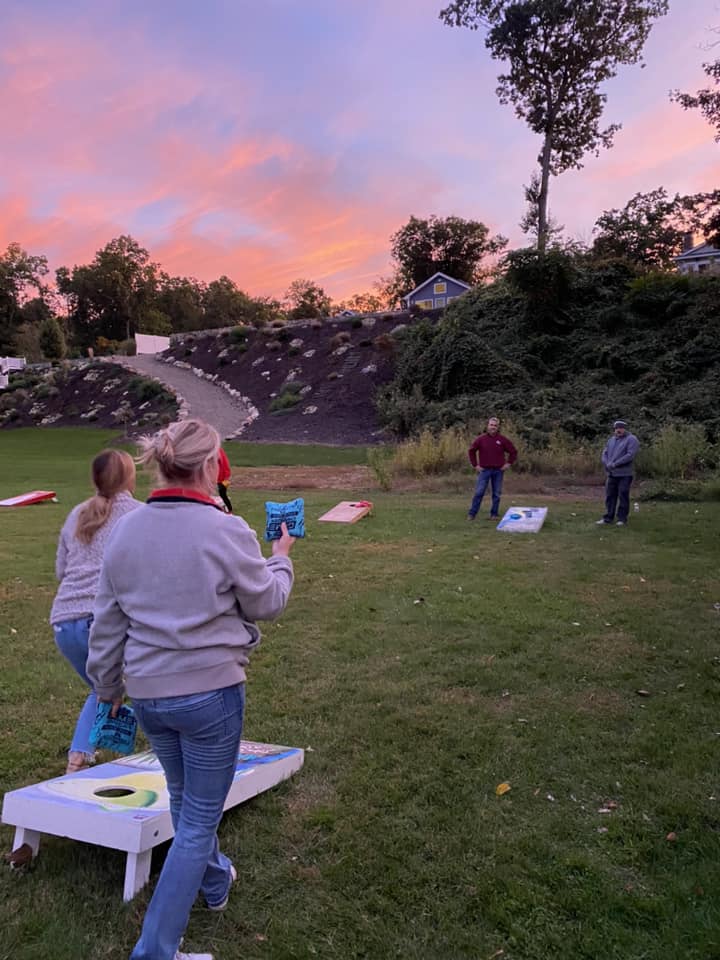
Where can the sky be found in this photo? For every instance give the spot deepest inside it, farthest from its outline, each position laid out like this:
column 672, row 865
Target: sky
column 281, row 139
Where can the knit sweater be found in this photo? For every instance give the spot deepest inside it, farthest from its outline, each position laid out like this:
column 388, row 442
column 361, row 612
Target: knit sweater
column 77, row 564
column 181, row 587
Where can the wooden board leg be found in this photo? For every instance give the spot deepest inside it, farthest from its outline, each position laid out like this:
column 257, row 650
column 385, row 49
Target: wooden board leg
column 137, row 873
column 29, row 837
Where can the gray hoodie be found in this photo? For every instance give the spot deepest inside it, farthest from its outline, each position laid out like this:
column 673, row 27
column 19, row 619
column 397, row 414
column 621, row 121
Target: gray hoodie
column 180, row 589
column 619, row 453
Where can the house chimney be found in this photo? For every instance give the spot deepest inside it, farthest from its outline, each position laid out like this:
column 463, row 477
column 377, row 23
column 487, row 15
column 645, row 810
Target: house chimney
column 688, row 242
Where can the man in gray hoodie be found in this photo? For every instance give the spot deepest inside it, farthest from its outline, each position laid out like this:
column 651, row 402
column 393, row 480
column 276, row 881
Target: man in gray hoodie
column 617, row 458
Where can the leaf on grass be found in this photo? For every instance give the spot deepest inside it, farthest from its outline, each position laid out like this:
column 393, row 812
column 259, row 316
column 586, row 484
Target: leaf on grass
column 502, row 788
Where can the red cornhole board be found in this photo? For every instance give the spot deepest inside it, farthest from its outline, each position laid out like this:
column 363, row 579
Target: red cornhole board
column 25, row 499
column 347, row 511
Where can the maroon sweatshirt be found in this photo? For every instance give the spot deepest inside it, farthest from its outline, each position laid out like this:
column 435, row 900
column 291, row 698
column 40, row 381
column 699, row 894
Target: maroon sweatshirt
column 489, row 452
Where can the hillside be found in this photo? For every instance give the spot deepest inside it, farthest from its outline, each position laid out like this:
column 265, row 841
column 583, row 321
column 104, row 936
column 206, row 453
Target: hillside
column 309, row 383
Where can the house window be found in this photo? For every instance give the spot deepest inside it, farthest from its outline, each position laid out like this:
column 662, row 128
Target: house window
column 439, row 301
column 440, row 288
column 702, row 267
column 425, row 304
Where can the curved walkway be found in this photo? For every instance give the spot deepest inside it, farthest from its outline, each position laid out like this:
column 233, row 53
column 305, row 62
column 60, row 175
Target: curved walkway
column 203, row 398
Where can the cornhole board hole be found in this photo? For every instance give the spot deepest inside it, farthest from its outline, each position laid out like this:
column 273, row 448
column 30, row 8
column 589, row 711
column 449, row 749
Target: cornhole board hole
column 25, row 499
column 124, row 804
column 347, row 511
column 523, row 520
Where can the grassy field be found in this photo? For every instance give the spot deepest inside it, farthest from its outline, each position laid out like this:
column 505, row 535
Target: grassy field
column 422, row 661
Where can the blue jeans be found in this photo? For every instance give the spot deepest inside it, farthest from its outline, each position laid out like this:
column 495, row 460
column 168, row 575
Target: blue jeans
column 71, row 638
column 488, row 475
column 617, row 488
column 196, row 739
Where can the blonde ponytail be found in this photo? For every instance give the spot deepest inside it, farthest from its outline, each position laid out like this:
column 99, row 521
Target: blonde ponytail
column 183, row 453
column 113, row 472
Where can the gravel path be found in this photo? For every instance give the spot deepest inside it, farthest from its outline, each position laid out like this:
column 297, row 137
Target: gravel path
column 203, row 399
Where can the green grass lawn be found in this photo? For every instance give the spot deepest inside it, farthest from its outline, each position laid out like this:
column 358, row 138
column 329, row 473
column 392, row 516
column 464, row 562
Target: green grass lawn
column 421, row 662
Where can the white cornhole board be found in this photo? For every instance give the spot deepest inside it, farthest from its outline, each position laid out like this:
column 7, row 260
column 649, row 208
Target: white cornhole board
column 124, row 804
column 523, row 520
column 25, row 499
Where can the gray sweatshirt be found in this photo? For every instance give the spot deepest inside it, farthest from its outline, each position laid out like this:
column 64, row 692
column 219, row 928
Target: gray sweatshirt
column 618, row 455
column 181, row 587
column 77, row 564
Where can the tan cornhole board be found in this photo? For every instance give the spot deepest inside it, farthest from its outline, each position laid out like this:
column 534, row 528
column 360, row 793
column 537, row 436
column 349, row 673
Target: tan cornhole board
column 347, row 511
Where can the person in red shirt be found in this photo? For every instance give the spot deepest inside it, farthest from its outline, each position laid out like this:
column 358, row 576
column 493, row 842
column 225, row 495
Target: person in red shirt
column 223, row 479
column 490, row 454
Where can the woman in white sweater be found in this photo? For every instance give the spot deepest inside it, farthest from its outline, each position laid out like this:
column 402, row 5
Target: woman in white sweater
column 182, row 585
column 77, row 565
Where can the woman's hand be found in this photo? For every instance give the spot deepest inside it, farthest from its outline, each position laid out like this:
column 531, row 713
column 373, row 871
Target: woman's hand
column 283, row 546
column 116, row 702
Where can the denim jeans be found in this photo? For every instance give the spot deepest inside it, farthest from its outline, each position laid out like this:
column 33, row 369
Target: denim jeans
column 71, row 638
column 617, row 488
column 196, row 739
column 488, row 475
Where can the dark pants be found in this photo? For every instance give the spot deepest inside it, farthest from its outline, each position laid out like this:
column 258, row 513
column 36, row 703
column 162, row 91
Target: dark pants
column 488, row 475
column 222, row 490
column 617, row 489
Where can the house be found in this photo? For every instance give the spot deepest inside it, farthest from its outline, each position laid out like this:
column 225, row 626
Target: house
column 435, row 292
column 697, row 257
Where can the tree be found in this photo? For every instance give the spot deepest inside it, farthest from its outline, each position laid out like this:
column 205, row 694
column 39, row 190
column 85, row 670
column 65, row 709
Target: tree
column 21, row 275
column 52, row 341
column 558, row 53
column 181, row 299
column 447, row 245
column 707, row 101
column 225, row 304
column 110, row 296
column 361, row 302
column 305, row 298
column 650, row 228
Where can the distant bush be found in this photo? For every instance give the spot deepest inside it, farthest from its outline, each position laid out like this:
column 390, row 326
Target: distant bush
column 274, row 346
column 356, row 323
column 128, row 348
column 385, row 343
column 239, row 334
column 287, row 399
column 679, row 449
column 145, row 389
column 339, row 339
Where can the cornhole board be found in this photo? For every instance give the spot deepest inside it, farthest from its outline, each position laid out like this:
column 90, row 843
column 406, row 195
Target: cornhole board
column 124, row 804
column 523, row 520
column 347, row 511
column 25, row 499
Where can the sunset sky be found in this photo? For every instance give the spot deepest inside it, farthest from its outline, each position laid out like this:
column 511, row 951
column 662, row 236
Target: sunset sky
column 281, row 139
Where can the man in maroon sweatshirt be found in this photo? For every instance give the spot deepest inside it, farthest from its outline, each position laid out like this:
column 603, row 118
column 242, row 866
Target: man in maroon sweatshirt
column 490, row 454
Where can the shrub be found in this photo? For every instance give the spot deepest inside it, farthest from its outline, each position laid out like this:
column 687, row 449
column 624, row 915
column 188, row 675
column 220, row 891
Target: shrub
column 146, row 389
column 356, row 323
column 379, row 462
column 284, row 401
column 239, row 334
column 676, row 451
column 339, row 339
column 283, row 334
column 128, row 348
column 294, row 351
column 274, row 345
column 431, row 453
column 384, row 342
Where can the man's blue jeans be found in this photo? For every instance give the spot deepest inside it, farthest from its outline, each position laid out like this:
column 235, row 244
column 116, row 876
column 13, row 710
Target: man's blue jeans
column 617, row 493
column 71, row 638
column 196, row 740
column 494, row 477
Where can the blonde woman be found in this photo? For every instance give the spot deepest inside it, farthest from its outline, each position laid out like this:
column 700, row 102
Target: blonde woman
column 181, row 588
column 77, row 565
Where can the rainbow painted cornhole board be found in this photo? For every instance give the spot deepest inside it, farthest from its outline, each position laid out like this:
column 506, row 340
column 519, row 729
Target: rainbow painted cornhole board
column 523, row 520
column 25, row 499
column 124, row 804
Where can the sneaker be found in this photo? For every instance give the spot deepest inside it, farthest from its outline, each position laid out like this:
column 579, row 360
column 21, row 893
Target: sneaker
column 620, row 523
column 494, row 517
column 218, row 907
column 193, row 956
column 599, row 523
column 470, row 516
